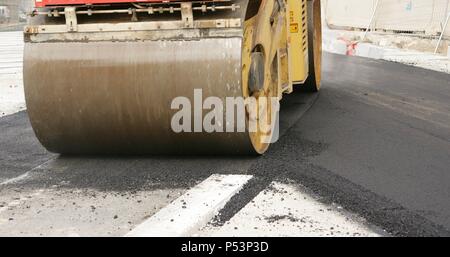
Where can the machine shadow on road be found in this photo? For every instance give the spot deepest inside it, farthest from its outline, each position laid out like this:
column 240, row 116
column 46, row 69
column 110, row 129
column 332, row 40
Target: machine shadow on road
column 118, row 173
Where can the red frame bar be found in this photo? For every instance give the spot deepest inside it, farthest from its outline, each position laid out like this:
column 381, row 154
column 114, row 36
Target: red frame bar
column 44, row 3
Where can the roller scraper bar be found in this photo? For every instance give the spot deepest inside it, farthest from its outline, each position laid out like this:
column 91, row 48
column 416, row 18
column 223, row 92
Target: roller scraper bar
column 48, row 3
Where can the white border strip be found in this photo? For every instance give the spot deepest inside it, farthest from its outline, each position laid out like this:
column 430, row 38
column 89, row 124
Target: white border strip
column 192, row 210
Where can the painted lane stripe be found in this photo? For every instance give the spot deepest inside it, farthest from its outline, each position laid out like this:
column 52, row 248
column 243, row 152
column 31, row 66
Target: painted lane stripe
column 194, row 209
column 24, row 175
column 20, row 201
column 286, row 209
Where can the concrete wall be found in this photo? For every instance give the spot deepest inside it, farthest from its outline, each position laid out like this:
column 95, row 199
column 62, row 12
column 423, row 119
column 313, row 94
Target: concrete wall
column 418, row 16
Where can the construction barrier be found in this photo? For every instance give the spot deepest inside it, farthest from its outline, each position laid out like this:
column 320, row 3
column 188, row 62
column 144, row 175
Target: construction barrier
column 427, row 17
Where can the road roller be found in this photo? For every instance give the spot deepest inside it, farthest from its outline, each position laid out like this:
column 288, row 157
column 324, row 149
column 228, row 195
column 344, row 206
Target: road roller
column 159, row 76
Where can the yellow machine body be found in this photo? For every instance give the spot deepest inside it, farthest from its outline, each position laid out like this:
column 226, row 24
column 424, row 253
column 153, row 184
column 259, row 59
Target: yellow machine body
column 101, row 79
column 298, row 40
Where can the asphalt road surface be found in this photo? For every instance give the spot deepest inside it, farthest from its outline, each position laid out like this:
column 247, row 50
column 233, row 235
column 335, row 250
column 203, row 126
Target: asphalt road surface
column 375, row 142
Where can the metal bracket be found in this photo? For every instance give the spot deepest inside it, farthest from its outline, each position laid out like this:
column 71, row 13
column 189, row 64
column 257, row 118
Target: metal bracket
column 187, row 15
column 71, row 19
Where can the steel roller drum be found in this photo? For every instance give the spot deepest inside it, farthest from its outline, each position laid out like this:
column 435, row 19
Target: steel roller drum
column 115, row 97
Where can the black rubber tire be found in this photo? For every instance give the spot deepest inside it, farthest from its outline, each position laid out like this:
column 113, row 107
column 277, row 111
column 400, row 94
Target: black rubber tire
column 313, row 82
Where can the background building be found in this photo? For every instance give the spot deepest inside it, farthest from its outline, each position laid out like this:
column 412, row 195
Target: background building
column 15, row 9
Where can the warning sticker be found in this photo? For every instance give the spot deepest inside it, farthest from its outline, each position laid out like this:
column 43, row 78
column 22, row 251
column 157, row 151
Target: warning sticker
column 294, row 27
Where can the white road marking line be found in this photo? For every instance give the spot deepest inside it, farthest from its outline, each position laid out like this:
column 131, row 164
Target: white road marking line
column 20, row 201
column 194, row 209
column 12, row 97
column 24, row 175
column 13, row 180
column 287, row 210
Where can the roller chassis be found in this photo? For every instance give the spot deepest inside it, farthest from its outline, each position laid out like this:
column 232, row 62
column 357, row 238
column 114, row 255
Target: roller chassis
column 80, row 22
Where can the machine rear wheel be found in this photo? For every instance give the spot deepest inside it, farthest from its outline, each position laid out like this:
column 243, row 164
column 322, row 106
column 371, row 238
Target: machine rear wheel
column 313, row 82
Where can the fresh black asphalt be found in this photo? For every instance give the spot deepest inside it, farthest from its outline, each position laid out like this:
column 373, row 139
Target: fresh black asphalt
column 376, row 140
